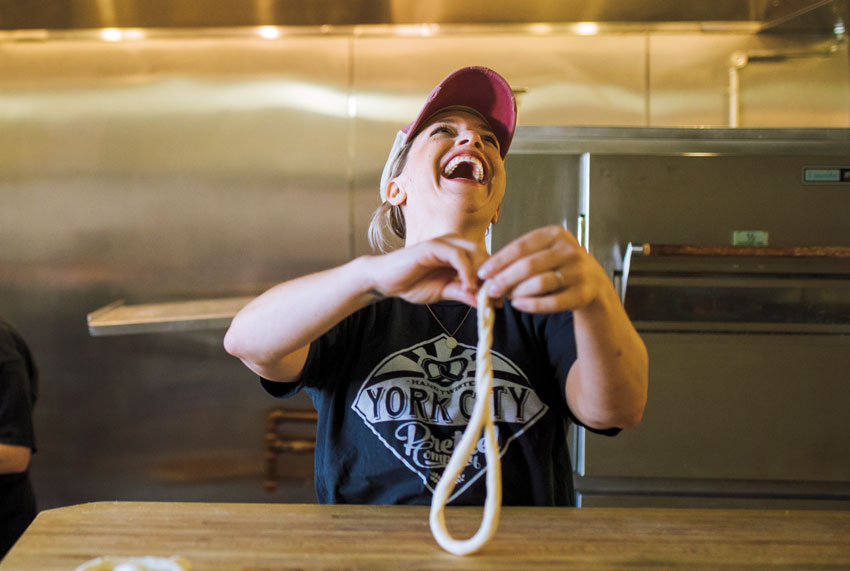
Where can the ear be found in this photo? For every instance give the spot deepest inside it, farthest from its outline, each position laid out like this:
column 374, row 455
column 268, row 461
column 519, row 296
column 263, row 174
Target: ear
column 396, row 195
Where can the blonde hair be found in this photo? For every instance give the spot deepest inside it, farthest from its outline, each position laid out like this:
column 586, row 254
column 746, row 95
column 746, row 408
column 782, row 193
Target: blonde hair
column 388, row 226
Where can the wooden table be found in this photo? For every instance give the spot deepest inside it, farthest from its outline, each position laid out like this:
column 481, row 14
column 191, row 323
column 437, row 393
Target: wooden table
column 280, row 536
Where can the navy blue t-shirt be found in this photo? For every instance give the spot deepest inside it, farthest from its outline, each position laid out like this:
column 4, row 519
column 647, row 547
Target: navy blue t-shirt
column 393, row 400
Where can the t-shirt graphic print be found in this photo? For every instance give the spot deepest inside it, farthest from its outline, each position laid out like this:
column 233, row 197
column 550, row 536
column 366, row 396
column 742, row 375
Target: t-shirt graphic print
column 418, row 401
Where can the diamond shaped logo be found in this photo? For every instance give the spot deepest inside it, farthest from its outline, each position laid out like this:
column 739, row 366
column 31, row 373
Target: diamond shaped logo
column 418, row 402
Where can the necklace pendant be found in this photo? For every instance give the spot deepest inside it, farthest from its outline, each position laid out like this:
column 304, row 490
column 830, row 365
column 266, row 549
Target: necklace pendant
column 451, row 342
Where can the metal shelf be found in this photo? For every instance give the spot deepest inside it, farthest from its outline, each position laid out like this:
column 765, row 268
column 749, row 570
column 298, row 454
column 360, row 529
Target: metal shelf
column 196, row 315
column 680, row 141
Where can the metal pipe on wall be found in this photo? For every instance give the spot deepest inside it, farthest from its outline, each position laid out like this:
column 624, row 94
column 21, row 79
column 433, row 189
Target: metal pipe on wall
column 740, row 60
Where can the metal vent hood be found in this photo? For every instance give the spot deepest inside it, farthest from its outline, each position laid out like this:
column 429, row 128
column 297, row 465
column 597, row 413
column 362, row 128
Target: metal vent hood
column 790, row 16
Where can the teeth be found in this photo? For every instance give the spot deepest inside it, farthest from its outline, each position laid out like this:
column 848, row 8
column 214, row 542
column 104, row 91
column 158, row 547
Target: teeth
column 478, row 168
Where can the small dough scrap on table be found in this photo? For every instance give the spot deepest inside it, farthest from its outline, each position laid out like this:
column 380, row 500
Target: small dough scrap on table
column 146, row 563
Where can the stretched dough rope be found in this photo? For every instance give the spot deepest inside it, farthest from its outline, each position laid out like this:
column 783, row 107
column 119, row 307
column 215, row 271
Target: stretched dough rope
column 482, row 418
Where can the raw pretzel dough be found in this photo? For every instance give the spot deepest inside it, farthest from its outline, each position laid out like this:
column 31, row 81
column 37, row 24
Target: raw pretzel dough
column 482, row 418
column 146, row 563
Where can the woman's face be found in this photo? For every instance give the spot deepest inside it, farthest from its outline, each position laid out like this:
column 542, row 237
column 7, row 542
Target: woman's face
column 453, row 167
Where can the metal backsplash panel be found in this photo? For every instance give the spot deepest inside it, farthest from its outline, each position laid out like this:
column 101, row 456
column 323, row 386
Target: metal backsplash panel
column 769, row 81
column 175, row 165
column 157, row 171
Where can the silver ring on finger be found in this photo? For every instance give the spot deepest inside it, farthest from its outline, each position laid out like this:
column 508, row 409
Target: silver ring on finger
column 559, row 277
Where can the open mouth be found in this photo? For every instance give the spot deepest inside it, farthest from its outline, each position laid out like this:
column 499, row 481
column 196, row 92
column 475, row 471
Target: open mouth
column 465, row 167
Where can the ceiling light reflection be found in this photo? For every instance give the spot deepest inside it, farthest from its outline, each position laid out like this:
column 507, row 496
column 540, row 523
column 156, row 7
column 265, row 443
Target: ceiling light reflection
column 185, row 98
column 540, row 29
column 430, row 29
column 120, row 34
column 133, row 34
column 268, row 32
column 111, row 35
column 587, row 28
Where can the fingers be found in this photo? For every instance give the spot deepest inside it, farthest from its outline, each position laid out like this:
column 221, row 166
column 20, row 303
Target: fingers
column 454, row 291
column 545, row 282
column 560, row 301
column 532, row 275
column 543, row 271
column 462, row 255
column 569, row 287
column 533, row 264
column 442, row 268
column 528, row 244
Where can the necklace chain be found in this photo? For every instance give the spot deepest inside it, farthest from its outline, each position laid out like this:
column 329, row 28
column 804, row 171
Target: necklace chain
column 443, row 327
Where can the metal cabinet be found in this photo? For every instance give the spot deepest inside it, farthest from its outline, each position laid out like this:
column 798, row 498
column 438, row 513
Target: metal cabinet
column 749, row 354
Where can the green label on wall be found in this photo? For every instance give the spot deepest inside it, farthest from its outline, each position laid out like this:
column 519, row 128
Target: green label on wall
column 749, row 238
column 826, row 175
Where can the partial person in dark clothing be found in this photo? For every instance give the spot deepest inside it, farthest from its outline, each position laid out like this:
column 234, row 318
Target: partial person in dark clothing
column 18, row 393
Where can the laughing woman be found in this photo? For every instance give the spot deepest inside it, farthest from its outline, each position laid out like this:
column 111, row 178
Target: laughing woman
column 385, row 344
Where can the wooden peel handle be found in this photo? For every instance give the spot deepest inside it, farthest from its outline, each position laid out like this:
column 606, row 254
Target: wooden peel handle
column 762, row 251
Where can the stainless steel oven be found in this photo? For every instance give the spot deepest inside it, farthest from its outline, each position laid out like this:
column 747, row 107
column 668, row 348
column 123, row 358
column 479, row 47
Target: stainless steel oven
column 731, row 249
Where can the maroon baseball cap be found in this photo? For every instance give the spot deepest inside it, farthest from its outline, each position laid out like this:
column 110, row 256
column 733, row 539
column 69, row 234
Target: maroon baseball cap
column 478, row 88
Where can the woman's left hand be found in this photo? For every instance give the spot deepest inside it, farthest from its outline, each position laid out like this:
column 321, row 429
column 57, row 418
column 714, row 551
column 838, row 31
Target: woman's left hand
column 545, row 271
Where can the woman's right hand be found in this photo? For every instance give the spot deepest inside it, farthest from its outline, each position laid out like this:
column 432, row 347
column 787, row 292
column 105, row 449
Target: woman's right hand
column 271, row 335
column 442, row 268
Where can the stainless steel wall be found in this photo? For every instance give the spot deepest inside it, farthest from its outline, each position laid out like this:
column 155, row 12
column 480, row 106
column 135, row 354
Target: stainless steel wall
column 201, row 164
